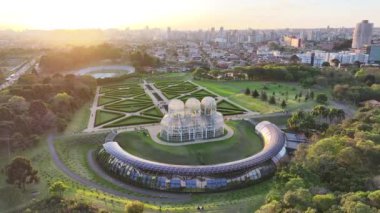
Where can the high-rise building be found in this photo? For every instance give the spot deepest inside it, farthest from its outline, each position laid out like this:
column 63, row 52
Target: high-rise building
column 168, row 33
column 374, row 54
column 362, row 34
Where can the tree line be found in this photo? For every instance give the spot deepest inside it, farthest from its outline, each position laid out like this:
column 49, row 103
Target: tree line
column 269, row 72
column 76, row 57
column 34, row 106
column 336, row 171
column 317, row 120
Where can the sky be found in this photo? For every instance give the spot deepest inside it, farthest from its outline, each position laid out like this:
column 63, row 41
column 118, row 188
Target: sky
column 185, row 14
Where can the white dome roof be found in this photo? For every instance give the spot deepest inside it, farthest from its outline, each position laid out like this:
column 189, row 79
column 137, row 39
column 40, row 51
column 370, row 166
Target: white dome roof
column 193, row 105
column 208, row 102
column 176, row 106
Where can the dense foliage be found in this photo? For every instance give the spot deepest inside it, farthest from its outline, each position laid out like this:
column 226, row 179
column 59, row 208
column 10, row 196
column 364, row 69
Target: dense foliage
column 141, row 58
column 337, row 172
column 58, row 204
column 58, row 61
column 34, row 106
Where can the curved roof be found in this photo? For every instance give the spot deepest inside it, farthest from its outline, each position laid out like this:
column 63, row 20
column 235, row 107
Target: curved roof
column 274, row 142
column 176, row 106
column 192, row 105
column 208, row 102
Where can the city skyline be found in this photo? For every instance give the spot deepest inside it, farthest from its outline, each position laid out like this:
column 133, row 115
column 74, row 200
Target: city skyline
column 186, row 15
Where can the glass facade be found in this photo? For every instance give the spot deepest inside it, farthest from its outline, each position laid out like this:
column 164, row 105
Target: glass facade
column 192, row 121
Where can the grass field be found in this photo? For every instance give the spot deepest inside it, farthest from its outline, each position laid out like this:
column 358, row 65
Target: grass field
column 171, row 91
column 234, row 90
column 133, row 120
column 244, row 143
column 79, row 120
column 106, row 100
column 103, row 117
column 155, row 112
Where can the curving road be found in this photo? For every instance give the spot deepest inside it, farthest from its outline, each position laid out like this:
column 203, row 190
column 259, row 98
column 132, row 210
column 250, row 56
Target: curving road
column 154, row 195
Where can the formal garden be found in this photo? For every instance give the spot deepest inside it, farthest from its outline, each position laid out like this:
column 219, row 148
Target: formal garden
column 125, row 105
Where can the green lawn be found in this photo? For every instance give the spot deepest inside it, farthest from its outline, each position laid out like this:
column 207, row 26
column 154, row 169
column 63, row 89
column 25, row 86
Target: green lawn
column 106, row 100
column 79, row 120
column 133, row 120
column 243, row 144
column 129, row 107
column 234, row 90
column 155, row 112
column 103, row 117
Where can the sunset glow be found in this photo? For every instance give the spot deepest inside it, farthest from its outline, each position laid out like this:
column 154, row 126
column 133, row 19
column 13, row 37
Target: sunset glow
column 184, row 14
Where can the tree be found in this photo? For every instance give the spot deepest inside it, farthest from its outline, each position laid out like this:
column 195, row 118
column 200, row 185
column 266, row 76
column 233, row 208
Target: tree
column 325, row 64
column 273, row 206
column 302, row 121
column 5, row 114
column 255, row 94
column 334, row 113
column 283, row 104
column 370, row 80
column 62, row 102
column 320, row 111
column 247, row 91
column 18, row 104
column 263, row 96
column 135, row 207
column 37, row 108
column 312, row 95
column 20, row 172
column 57, row 188
column 374, row 198
column 335, row 62
column 321, row 98
column 324, row 202
column 294, row 59
column 272, row 100
column 300, row 198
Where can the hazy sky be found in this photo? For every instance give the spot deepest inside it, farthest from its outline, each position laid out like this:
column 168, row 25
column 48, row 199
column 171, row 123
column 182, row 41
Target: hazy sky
column 185, row 14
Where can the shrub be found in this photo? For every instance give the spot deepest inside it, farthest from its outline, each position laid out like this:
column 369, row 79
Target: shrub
column 321, row 98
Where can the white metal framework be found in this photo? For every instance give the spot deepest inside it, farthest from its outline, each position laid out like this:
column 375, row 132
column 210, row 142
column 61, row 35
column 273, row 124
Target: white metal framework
column 193, row 120
column 197, row 178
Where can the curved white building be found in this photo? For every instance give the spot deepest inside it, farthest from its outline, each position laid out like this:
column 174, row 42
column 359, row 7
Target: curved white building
column 192, row 120
column 196, row 178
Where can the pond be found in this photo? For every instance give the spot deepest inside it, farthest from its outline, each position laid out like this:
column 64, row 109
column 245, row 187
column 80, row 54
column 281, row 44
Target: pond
column 108, row 71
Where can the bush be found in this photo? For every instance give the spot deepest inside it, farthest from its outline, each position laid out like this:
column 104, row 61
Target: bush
column 272, row 100
column 255, row 94
column 321, row 98
column 135, row 207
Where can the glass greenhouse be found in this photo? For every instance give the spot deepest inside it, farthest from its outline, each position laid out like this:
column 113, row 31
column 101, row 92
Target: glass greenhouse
column 192, row 120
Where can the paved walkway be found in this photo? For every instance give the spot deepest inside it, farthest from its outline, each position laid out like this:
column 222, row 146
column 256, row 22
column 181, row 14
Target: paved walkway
column 154, row 131
column 152, row 196
column 159, row 104
column 94, row 107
